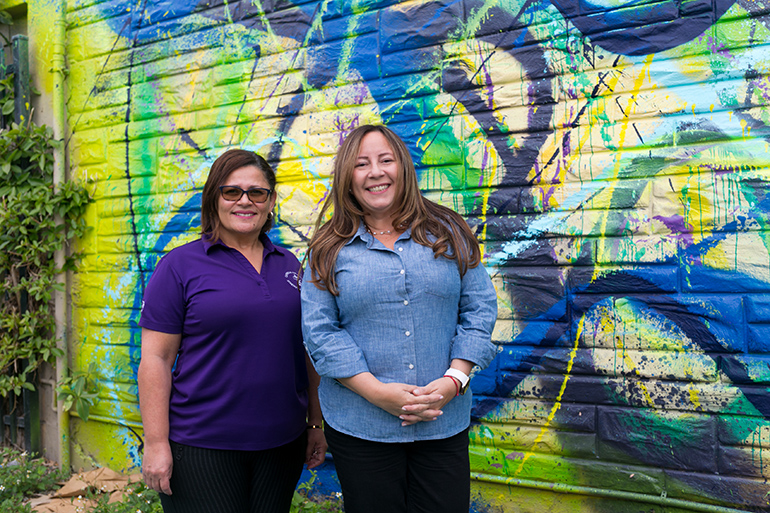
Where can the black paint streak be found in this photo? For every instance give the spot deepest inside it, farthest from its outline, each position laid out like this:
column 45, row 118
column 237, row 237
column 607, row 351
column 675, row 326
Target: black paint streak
column 185, row 134
column 126, row 138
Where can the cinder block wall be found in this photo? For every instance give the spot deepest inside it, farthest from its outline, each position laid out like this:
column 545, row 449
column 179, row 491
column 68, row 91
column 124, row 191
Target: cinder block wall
column 612, row 158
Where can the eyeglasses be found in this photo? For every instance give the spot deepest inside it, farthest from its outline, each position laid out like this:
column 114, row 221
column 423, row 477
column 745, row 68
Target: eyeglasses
column 235, row 193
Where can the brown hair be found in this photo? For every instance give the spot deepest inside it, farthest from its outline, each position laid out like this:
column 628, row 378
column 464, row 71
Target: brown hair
column 221, row 169
column 453, row 237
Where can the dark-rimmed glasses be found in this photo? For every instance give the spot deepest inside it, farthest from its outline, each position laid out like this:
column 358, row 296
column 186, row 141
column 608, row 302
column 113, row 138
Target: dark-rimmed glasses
column 235, row 193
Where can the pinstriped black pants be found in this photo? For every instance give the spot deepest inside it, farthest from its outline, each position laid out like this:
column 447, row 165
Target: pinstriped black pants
column 219, row 481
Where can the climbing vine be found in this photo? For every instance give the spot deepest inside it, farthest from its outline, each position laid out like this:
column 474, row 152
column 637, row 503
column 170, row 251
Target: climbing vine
column 37, row 219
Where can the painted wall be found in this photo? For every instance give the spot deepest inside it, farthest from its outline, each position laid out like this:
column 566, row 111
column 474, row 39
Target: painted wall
column 611, row 156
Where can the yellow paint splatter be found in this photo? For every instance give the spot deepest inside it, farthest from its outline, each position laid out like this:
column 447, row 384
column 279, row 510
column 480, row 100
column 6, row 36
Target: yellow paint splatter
column 557, row 404
column 630, row 108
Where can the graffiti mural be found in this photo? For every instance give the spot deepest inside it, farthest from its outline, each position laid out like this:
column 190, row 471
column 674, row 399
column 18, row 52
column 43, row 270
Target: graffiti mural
column 611, row 156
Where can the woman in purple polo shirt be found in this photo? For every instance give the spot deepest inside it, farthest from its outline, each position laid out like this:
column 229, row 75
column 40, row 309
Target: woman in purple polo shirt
column 228, row 396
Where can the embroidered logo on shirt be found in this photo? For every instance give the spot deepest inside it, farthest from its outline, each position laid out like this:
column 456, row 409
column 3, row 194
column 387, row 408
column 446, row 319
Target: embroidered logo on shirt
column 292, row 279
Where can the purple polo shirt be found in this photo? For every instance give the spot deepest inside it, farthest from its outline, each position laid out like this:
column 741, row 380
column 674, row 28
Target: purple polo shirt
column 240, row 380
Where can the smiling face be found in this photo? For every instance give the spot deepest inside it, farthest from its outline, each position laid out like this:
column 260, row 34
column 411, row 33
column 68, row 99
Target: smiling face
column 376, row 182
column 244, row 219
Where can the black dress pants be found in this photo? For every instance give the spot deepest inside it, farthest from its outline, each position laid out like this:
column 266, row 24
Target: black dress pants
column 414, row 477
column 220, row 481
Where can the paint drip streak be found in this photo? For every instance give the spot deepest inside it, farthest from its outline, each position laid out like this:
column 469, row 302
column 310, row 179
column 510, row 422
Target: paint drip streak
column 127, row 140
column 557, row 404
column 457, row 101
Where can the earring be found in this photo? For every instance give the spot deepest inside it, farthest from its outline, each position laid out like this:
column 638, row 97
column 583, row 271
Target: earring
column 269, row 216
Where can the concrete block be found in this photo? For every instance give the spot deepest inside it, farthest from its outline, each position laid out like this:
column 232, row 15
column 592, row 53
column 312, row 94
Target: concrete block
column 139, row 159
column 543, row 360
column 403, row 86
column 750, row 494
column 97, row 119
column 86, row 15
column 759, row 338
column 537, row 292
column 750, row 432
column 746, row 369
column 418, row 24
column 657, row 322
column 589, row 472
column 565, row 388
column 536, row 413
column 745, row 273
column 419, row 60
column 744, row 461
column 543, row 333
column 349, row 26
column 361, row 55
column 722, row 398
column 661, row 439
column 665, row 365
column 634, row 279
column 88, row 147
column 534, row 439
column 652, row 249
column 757, row 308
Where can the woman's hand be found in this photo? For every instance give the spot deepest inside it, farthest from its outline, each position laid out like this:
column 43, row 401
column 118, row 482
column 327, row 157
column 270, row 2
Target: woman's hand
column 157, row 466
column 445, row 387
column 398, row 399
column 154, row 377
column 395, row 398
column 315, row 454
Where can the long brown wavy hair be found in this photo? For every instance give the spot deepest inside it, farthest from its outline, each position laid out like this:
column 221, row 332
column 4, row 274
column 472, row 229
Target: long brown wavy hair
column 453, row 237
column 225, row 164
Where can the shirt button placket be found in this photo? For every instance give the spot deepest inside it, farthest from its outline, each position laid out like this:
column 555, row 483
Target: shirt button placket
column 410, row 352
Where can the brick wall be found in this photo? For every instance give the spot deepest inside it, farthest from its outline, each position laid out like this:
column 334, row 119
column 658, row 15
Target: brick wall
column 612, row 159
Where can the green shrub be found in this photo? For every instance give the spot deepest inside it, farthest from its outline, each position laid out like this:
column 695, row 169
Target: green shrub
column 137, row 498
column 22, row 476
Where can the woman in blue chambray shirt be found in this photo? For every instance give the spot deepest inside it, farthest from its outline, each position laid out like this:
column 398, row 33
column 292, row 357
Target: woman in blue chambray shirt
column 396, row 311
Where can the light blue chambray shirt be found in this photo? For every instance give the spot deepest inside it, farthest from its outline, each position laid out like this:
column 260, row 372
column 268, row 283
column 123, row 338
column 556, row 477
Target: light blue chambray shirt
column 402, row 315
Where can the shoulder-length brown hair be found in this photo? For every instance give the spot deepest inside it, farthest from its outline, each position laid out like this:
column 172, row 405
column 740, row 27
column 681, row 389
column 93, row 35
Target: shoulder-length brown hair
column 228, row 162
column 453, row 238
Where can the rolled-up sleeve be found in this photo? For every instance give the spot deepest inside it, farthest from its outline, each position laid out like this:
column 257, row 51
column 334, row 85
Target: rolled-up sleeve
column 334, row 353
column 476, row 318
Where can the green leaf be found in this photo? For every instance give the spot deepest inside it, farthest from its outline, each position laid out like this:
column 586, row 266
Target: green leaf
column 80, row 384
column 83, row 408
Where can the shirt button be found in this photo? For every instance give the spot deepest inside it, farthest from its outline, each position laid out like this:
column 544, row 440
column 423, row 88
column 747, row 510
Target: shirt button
column 401, row 249
column 402, row 271
column 407, row 333
column 406, row 302
column 411, row 366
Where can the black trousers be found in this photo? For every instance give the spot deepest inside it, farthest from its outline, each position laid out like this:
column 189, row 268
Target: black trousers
column 219, row 481
column 424, row 476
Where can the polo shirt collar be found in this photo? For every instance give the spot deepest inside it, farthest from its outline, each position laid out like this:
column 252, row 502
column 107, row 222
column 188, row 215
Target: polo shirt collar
column 208, row 244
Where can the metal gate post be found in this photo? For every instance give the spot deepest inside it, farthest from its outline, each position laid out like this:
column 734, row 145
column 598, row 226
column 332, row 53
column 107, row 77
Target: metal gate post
column 30, row 400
